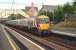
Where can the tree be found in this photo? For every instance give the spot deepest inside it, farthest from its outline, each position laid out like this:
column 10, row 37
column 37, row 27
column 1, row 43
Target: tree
column 74, row 6
column 67, row 9
column 74, row 3
column 42, row 12
column 58, row 14
column 49, row 14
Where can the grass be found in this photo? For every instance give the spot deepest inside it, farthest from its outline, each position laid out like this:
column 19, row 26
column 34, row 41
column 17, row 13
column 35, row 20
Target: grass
column 70, row 24
column 65, row 25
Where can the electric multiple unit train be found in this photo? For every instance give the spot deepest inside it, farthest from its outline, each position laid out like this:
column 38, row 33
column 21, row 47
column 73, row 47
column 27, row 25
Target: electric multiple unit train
column 40, row 24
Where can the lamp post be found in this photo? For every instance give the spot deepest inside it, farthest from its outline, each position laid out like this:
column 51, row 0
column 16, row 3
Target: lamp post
column 43, row 7
column 53, row 17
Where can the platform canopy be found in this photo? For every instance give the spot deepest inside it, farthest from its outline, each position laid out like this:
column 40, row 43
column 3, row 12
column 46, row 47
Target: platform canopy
column 7, row 12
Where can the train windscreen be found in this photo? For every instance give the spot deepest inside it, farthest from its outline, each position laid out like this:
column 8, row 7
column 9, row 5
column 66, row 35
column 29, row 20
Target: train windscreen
column 43, row 20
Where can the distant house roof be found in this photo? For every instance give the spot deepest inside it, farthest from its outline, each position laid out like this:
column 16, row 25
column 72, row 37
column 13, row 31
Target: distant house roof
column 28, row 8
column 49, row 7
column 32, row 11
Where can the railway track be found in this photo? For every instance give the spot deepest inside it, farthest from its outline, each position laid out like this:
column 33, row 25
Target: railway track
column 64, row 42
column 54, row 42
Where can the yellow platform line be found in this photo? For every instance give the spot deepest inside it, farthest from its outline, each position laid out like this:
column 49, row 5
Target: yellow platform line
column 9, row 39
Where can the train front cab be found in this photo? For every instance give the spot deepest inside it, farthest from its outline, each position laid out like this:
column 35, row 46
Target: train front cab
column 43, row 25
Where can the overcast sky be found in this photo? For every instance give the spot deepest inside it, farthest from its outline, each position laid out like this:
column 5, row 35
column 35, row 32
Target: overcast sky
column 19, row 4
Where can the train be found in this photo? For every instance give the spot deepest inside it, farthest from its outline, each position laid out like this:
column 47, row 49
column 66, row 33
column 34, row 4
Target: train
column 40, row 24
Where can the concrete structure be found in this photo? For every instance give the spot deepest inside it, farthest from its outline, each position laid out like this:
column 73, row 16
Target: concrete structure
column 70, row 18
column 6, row 42
column 30, row 45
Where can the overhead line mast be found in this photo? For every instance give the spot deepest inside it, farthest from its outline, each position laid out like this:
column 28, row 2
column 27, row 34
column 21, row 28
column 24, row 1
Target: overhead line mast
column 12, row 5
column 44, row 11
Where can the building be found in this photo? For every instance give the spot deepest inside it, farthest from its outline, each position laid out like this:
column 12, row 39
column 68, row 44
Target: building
column 31, row 11
column 50, row 8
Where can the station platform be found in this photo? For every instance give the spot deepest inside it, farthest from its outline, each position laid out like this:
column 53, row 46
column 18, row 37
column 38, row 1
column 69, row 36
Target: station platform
column 65, row 31
column 29, row 44
column 6, row 42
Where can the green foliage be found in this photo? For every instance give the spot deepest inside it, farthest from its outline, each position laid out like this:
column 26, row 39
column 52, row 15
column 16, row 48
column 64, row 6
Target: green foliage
column 74, row 6
column 59, row 14
column 74, row 3
column 43, row 12
column 67, row 9
column 50, row 15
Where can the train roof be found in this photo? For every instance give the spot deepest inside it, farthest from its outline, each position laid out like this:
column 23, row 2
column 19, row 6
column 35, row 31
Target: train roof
column 22, row 19
column 42, row 16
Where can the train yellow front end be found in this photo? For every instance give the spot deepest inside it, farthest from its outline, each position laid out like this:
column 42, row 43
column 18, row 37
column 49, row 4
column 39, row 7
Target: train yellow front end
column 43, row 24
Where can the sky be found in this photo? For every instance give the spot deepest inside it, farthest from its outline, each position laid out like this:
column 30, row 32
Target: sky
column 20, row 4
